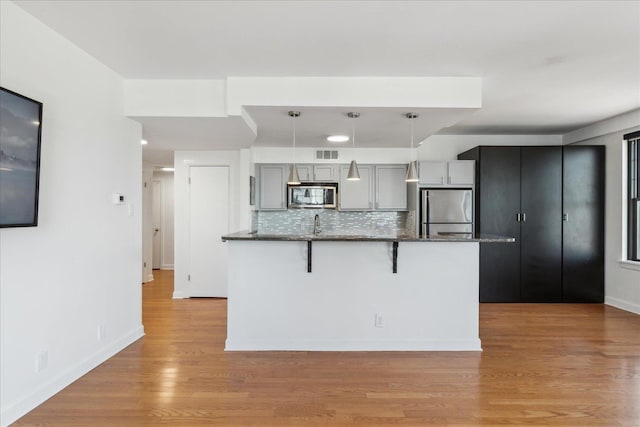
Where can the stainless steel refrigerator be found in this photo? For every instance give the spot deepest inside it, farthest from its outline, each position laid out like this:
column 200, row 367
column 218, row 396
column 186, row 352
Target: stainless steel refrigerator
column 446, row 212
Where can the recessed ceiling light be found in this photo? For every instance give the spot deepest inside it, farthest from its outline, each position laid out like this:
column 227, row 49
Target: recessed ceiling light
column 168, row 169
column 144, row 142
column 338, row 138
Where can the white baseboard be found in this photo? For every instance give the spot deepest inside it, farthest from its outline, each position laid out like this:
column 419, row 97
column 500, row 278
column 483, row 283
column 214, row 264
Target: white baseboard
column 149, row 278
column 622, row 304
column 365, row 345
column 17, row 409
column 179, row 295
column 166, row 267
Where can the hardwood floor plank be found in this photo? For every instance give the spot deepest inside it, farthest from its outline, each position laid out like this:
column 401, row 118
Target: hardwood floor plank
column 542, row 364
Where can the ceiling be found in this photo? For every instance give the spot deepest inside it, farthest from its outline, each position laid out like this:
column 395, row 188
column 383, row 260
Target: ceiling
column 547, row 67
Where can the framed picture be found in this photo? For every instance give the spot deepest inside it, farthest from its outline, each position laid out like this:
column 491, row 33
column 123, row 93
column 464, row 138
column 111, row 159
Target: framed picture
column 252, row 190
column 20, row 133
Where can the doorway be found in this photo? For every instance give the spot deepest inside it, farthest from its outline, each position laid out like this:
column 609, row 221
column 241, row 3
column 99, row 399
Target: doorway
column 156, row 221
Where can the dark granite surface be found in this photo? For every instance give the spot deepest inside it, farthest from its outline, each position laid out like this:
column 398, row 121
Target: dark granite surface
column 246, row 235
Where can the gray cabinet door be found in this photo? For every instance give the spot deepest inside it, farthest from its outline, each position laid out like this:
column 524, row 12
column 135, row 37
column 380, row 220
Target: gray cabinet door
column 273, row 184
column 305, row 172
column 461, row 172
column 325, row 173
column 391, row 187
column 356, row 195
column 432, row 173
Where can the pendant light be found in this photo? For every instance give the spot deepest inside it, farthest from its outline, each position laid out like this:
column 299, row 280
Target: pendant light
column 412, row 172
column 354, row 174
column 294, row 179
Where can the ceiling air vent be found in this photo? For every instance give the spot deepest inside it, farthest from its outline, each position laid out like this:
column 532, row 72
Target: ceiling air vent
column 326, row 154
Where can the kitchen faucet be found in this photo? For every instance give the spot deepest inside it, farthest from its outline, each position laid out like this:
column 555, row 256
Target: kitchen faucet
column 316, row 225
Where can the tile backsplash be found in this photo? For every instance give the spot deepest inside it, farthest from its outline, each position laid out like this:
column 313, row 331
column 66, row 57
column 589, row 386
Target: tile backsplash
column 294, row 221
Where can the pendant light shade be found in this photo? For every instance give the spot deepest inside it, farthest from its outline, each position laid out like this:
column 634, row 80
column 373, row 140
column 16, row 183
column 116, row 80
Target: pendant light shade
column 412, row 171
column 354, row 174
column 294, row 179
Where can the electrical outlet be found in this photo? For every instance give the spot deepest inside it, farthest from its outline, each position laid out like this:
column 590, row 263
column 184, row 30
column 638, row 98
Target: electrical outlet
column 42, row 361
column 379, row 321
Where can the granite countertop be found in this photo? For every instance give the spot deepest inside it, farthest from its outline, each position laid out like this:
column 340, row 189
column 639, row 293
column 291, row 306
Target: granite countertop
column 248, row 235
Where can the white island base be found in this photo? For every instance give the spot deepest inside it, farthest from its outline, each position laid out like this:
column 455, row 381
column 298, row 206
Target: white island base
column 352, row 301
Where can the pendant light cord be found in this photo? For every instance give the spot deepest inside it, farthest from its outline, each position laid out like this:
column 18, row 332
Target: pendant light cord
column 294, row 141
column 412, row 153
column 353, row 135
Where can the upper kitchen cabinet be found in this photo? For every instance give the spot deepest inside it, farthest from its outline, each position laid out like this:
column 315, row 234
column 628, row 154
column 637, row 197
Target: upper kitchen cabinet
column 356, row 195
column 443, row 174
column 272, row 184
column 318, row 173
column 305, row 172
column 391, row 187
column 326, row 173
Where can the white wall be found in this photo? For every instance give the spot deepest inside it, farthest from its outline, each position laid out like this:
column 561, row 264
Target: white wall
column 447, row 147
column 175, row 98
column 239, row 167
column 436, row 147
column 167, row 219
column 622, row 281
column 80, row 267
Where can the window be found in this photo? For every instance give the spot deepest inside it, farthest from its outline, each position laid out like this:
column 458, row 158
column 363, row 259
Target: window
column 633, row 201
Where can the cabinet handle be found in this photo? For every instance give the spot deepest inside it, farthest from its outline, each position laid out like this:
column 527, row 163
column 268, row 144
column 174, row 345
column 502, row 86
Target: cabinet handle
column 518, row 217
column 442, row 180
column 565, row 217
column 524, row 217
column 449, row 180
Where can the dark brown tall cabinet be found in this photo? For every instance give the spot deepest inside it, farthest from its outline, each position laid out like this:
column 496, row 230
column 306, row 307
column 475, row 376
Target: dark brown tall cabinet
column 551, row 199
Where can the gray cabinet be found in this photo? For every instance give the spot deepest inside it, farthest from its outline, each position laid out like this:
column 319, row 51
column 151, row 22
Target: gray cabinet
column 305, row 172
column 356, row 195
column 381, row 187
column 318, row 173
column 443, row 173
column 391, row 187
column 325, row 173
column 272, row 184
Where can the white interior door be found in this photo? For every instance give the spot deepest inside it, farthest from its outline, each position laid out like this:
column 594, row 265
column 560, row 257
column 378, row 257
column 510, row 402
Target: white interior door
column 209, row 220
column 156, row 214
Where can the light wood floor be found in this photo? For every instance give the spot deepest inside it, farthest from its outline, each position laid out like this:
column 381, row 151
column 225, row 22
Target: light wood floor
column 542, row 365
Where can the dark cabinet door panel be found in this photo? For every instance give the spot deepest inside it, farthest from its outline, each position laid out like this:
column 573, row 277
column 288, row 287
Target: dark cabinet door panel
column 583, row 225
column 500, row 198
column 500, row 272
column 541, row 225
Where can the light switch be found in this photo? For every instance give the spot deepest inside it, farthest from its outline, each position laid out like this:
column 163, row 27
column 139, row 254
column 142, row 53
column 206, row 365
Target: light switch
column 118, row 199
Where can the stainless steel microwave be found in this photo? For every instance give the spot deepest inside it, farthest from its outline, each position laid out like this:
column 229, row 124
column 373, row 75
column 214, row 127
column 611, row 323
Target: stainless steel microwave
column 312, row 195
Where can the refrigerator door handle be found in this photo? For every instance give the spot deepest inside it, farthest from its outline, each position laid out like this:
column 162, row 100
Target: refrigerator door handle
column 424, row 214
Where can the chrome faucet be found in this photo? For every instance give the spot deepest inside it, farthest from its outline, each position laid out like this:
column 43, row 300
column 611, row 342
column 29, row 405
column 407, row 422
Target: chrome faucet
column 316, row 225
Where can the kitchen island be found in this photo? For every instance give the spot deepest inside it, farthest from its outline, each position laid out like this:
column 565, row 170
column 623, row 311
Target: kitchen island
column 358, row 293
